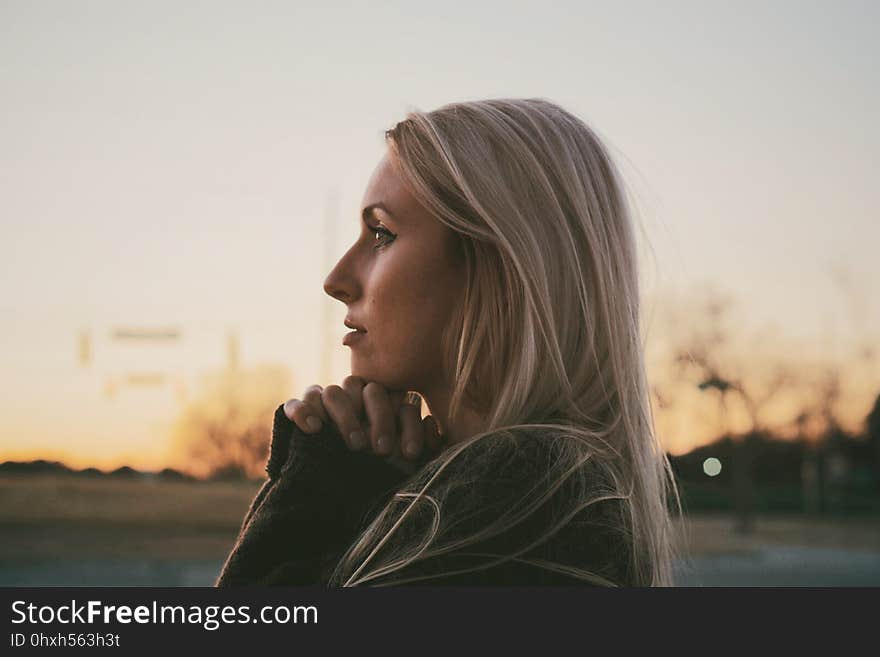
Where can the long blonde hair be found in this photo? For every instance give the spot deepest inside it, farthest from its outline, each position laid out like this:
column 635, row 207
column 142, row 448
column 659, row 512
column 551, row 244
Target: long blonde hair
column 545, row 344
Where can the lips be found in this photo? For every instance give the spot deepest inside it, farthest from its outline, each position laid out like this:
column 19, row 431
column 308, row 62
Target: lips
column 354, row 337
column 357, row 327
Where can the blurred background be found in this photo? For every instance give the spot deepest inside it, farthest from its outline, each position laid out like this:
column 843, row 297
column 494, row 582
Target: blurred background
column 178, row 178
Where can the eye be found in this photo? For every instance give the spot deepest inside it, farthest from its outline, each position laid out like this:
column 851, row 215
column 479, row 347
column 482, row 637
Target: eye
column 389, row 236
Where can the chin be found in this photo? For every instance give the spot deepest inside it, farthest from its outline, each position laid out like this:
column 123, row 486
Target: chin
column 389, row 381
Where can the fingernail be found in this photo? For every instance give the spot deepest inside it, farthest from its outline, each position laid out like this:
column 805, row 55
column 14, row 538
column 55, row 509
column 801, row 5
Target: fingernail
column 410, row 450
column 383, row 444
column 313, row 423
column 357, row 438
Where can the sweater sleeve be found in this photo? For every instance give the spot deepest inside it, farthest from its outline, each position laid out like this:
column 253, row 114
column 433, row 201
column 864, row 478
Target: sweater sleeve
column 305, row 513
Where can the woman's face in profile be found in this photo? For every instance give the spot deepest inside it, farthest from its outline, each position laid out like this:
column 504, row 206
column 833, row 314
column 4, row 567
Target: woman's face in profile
column 400, row 281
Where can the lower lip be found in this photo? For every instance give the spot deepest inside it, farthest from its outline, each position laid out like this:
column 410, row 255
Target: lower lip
column 354, row 336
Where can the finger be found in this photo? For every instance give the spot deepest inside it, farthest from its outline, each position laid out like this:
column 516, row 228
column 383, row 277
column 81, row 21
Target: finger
column 354, row 387
column 381, row 418
column 312, row 397
column 397, row 398
column 411, row 434
column 433, row 440
column 299, row 412
column 342, row 413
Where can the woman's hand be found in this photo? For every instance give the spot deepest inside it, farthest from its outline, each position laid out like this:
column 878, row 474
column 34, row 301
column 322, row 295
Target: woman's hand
column 368, row 416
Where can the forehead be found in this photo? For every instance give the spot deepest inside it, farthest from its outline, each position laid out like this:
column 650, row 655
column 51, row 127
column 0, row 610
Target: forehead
column 386, row 186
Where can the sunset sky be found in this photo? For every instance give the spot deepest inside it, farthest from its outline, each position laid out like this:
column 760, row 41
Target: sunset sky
column 173, row 165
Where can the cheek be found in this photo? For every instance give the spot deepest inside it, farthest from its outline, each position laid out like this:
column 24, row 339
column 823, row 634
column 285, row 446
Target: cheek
column 409, row 306
column 410, row 287
column 411, row 309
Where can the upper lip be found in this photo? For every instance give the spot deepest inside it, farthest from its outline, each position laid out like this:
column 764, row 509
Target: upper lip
column 350, row 324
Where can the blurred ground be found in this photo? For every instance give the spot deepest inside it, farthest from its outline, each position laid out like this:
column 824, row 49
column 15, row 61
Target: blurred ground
column 74, row 531
column 781, row 551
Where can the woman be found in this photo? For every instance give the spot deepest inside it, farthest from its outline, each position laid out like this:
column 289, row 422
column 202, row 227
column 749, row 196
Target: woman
column 496, row 276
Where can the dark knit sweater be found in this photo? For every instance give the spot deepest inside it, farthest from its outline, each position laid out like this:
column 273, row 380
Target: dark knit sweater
column 320, row 495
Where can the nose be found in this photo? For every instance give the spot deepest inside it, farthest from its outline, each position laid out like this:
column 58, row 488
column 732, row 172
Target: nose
column 340, row 284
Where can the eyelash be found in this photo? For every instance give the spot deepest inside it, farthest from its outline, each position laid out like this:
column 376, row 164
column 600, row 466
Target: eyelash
column 380, row 229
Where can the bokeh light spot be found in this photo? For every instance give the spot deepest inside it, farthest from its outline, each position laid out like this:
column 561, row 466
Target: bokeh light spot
column 712, row 466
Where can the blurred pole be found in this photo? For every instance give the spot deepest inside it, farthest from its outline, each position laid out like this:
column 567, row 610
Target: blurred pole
column 232, row 359
column 809, row 468
column 743, row 489
column 810, row 480
column 326, row 303
column 822, row 477
column 85, row 348
column 743, row 492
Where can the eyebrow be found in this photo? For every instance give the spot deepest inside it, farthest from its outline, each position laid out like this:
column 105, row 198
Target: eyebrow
column 367, row 211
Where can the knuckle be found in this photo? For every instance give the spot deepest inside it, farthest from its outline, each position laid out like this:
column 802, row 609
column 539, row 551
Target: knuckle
column 290, row 407
column 373, row 390
column 313, row 397
column 333, row 393
column 298, row 411
column 352, row 380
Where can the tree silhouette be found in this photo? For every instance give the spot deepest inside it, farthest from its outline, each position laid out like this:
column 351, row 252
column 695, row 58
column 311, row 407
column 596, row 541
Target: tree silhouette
column 224, row 431
column 703, row 359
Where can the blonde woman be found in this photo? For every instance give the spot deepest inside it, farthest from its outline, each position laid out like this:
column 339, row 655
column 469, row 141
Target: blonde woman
column 495, row 279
